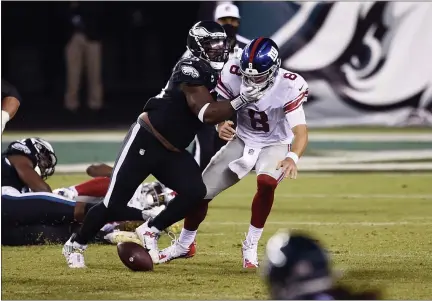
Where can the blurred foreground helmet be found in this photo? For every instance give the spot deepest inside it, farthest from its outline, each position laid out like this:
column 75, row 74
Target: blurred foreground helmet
column 296, row 266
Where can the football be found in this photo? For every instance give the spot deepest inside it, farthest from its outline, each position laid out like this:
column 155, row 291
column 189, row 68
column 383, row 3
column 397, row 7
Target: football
column 134, row 256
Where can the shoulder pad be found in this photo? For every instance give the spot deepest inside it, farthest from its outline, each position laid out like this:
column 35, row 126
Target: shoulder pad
column 191, row 71
column 297, row 90
column 19, row 147
column 230, row 79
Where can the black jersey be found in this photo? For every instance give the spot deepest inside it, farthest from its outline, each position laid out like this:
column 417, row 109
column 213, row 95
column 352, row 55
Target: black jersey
column 8, row 90
column 169, row 111
column 9, row 174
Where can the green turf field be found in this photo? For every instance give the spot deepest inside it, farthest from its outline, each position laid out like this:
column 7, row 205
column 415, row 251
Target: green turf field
column 378, row 228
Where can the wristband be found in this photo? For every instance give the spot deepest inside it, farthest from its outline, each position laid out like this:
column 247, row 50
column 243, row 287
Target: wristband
column 4, row 119
column 202, row 111
column 5, row 116
column 293, row 156
column 238, row 102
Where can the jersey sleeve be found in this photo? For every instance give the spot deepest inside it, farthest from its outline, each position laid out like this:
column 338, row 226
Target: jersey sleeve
column 229, row 81
column 8, row 90
column 19, row 148
column 189, row 72
column 297, row 95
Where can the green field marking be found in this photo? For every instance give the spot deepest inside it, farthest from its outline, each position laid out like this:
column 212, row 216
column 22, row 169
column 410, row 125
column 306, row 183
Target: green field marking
column 86, row 152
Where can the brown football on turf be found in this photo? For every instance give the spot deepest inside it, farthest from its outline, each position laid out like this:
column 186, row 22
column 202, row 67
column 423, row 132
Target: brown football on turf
column 134, row 256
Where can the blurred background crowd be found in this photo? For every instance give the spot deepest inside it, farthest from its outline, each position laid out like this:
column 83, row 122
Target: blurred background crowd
column 95, row 64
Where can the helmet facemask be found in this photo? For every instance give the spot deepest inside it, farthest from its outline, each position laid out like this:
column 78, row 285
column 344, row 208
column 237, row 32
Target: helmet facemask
column 46, row 159
column 263, row 80
column 213, row 47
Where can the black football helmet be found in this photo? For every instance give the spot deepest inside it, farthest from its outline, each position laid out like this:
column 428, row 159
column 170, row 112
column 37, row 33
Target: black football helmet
column 207, row 40
column 296, row 266
column 46, row 158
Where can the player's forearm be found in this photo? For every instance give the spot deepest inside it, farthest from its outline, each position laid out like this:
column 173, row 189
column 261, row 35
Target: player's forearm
column 35, row 182
column 301, row 139
column 217, row 112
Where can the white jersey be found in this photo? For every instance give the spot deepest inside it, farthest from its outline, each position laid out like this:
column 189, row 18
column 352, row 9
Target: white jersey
column 269, row 120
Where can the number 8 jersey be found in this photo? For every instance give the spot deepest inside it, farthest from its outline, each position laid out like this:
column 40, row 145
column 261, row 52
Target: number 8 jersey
column 269, row 120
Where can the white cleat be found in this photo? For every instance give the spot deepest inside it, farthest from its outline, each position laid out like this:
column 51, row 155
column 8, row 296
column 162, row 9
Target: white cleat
column 73, row 252
column 250, row 255
column 176, row 250
column 149, row 240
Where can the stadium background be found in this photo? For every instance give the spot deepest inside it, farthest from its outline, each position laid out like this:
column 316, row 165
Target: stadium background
column 137, row 57
column 375, row 224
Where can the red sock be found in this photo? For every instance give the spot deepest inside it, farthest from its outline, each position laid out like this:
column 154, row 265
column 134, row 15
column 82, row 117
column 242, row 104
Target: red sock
column 263, row 200
column 97, row 187
column 194, row 219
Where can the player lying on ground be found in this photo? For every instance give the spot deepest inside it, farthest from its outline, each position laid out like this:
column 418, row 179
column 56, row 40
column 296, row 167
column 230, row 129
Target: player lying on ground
column 297, row 267
column 156, row 143
column 31, row 214
column 266, row 129
column 27, row 201
column 151, row 198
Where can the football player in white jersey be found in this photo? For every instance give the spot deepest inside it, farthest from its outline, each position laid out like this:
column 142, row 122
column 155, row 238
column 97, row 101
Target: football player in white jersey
column 270, row 137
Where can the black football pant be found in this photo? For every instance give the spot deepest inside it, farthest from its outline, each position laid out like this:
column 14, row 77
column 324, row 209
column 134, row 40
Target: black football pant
column 141, row 155
column 207, row 144
column 36, row 218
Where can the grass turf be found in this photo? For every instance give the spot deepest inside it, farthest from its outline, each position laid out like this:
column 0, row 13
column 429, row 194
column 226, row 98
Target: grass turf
column 377, row 227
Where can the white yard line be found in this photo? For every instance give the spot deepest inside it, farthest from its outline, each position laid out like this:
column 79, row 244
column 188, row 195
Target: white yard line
column 305, row 166
column 349, row 196
column 119, row 136
column 316, row 223
column 374, row 255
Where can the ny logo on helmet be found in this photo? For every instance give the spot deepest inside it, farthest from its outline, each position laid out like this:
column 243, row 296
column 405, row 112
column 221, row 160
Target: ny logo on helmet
column 273, row 54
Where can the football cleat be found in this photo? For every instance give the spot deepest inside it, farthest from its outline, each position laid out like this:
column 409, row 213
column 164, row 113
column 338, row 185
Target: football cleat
column 73, row 253
column 116, row 237
column 176, row 250
column 250, row 255
column 149, row 240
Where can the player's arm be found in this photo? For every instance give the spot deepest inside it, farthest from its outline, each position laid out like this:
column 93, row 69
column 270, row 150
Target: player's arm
column 99, row 170
column 294, row 114
column 10, row 102
column 201, row 101
column 300, row 131
column 27, row 174
column 202, row 104
column 225, row 128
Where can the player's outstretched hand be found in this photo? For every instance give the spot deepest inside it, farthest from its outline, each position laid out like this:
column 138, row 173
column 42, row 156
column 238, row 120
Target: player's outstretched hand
column 288, row 167
column 226, row 130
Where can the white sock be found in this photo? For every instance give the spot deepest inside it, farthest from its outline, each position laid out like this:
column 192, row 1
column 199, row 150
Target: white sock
column 187, row 237
column 254, row 234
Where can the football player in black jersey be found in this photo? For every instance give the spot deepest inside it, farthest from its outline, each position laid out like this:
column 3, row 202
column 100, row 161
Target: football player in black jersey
column 28, row 206
column 297, row 267
column 156, row 142
column 10, row 102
